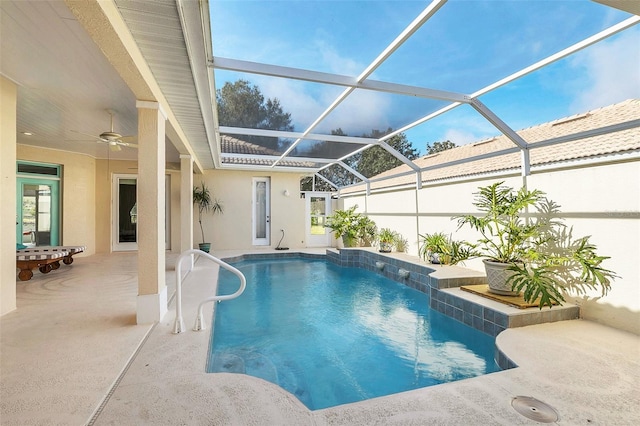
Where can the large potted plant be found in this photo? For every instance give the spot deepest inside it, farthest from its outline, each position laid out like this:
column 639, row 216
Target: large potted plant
column 205, row 203
column 355, row 229
column 529, row 250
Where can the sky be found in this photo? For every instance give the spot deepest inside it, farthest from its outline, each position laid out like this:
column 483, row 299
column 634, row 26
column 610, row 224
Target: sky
column 466, row 46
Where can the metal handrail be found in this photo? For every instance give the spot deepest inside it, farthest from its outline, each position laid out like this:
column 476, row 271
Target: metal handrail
column 199, row 324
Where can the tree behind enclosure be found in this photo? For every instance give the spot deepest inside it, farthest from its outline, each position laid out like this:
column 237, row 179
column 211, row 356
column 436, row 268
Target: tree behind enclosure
column 242, row 104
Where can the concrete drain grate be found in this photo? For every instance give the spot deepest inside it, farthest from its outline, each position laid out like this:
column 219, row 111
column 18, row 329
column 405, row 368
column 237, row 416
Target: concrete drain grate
column 534, row 409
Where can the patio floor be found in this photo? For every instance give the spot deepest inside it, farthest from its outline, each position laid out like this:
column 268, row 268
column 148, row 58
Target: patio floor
column 72, row 354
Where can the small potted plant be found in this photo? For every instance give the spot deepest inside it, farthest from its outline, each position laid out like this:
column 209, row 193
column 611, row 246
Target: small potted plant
column 387, row 239
column 536, row 256
column 205, row 203
column 438, row 248
column 401, row 243
column 354, row 228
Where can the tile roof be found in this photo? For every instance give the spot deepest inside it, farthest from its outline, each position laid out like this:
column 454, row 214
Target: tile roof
column 231, row 145
column 609, row 143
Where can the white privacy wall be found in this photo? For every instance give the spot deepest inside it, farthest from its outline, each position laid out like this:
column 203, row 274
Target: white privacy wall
column 600, row 200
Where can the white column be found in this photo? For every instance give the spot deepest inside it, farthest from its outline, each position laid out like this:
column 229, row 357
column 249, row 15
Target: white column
column 152, row 289
column 186, row 205
column 8, row 105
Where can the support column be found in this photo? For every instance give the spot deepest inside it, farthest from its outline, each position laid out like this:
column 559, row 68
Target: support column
column 186, row 203
column 8, row 132
column 152, row 289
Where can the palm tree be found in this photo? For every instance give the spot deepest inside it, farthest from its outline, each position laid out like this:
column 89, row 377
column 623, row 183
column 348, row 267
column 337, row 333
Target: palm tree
column 202, row 198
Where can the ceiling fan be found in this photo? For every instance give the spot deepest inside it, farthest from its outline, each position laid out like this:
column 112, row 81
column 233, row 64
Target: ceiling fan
column 115, row 140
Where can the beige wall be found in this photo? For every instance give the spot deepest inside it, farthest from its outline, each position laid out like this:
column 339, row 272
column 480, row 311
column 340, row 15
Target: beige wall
column 602, row 201
column 232, row 229
column 77, row 190
column 175, row 210
column 8, row 102
column 86, row 196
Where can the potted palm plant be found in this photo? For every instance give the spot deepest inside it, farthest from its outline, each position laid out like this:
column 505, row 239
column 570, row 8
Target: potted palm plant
column 533, row 254
column 205, row 203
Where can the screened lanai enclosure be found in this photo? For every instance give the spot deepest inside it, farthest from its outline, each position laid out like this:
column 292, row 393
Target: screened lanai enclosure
column 393, row 77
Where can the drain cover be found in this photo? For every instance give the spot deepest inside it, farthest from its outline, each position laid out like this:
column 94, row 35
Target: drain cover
column 534, row 409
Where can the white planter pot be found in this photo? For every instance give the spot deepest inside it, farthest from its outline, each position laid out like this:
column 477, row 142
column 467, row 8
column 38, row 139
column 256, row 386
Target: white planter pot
column 385, row 247
column 497, row 276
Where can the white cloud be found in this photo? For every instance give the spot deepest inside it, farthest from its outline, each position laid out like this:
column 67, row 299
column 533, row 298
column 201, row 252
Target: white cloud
column 361, row 112
column 303, row 107
column 335, row 63
column 461, row 137
column 612, row 71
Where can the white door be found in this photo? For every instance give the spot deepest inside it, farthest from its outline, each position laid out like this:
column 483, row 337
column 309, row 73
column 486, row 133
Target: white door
column 125, row 211
column 261, row 212
column 124, row 214
column 318, row 208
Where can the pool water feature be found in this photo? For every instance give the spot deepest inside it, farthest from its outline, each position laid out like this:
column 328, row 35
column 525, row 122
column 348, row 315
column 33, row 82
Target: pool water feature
column 332, row 335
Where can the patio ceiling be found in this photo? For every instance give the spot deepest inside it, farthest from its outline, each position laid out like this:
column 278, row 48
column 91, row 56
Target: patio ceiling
column 410, row 96
column 74, row 62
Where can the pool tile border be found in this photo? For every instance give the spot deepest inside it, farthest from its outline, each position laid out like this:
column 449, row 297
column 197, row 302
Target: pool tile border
column 442, row 284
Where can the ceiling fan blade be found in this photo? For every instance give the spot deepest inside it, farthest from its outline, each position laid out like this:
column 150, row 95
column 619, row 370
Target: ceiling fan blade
column 129, row 145
column 115, row 147
column 129, row 139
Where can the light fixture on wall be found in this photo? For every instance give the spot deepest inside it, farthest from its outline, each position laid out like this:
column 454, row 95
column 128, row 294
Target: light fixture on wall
column 285, row 192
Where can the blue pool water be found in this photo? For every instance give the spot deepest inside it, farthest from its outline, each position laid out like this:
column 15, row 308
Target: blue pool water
column 332, row 335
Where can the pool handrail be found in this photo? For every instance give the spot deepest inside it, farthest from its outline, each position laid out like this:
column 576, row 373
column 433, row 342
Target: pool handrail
column 178, row 326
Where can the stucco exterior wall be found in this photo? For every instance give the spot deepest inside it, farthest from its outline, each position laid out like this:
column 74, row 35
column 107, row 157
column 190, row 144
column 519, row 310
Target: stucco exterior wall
column 233, row 228
column 77, row 189
column 601, row 200
column 174, row 218
column 8, row 102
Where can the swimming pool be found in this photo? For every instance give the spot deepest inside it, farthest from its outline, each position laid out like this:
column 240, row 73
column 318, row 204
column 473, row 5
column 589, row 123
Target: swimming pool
column 333, row 335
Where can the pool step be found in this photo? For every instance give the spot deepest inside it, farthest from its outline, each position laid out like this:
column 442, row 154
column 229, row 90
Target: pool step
column 252, row 363
column 245, row 362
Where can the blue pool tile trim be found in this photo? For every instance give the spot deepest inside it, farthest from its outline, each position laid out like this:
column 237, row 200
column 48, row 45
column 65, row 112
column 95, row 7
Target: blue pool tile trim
column 418, row 278
column 427, row 279
column 280, row 255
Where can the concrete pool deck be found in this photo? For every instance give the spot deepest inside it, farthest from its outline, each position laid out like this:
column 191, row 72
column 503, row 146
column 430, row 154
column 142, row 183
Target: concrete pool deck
column 72, row 354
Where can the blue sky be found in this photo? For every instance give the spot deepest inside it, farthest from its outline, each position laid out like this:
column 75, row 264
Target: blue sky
column 466, row 46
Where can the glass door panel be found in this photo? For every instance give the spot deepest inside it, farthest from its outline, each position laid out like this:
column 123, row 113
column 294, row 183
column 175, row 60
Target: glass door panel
column 261, row 212
column 318, row 208
column 38, row 212
column 125, row 214
column 127, row 211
